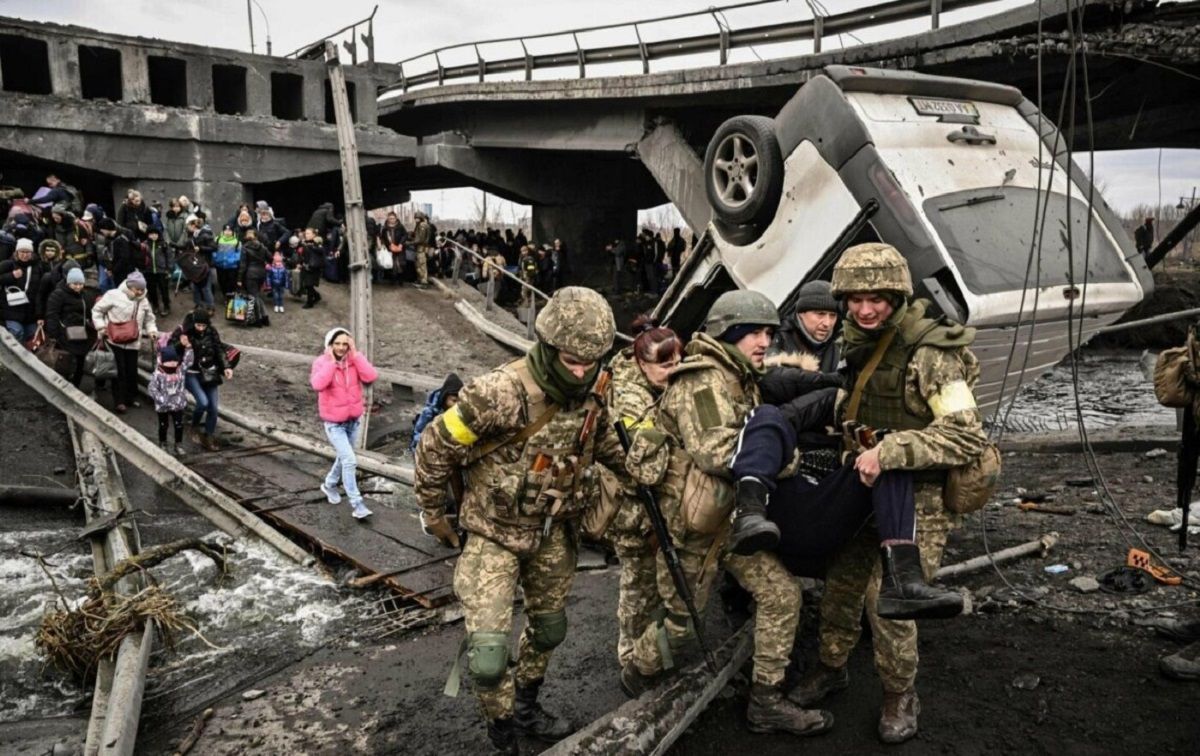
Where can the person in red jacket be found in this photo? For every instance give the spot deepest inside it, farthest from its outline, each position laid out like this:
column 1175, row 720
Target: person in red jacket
column 338, row 377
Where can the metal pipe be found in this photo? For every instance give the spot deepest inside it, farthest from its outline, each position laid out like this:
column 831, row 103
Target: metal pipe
column 1168, row 317
column 1182, row 229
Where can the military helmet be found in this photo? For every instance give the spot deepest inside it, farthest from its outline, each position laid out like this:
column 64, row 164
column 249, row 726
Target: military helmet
column 871, row 267
column 740, row 307
column 578, row 321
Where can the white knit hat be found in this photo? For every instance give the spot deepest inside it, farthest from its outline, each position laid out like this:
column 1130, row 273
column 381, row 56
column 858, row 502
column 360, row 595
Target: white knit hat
column 332, row 333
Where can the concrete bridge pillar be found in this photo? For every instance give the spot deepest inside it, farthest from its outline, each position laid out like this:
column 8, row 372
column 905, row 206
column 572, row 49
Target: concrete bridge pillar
column 199, row 84
column 64, row 68
column 585, row 229
column 258, row 91
column 135, row 76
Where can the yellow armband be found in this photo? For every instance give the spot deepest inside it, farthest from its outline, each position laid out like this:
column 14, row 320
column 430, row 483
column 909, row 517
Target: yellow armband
column 458, row 429
column 955, row 396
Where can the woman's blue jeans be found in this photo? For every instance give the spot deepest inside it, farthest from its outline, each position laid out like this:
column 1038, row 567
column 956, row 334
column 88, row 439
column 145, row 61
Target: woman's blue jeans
column 342, row 436
column 206, row 402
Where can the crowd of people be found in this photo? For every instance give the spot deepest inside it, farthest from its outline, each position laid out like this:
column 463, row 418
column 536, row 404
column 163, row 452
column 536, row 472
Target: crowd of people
column 818, row 444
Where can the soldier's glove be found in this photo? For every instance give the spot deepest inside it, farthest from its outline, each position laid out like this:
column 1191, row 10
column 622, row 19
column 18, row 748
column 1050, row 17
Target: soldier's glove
column 440, row 528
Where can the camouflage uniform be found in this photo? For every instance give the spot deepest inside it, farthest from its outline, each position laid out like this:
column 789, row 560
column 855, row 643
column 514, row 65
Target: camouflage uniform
column 521, row 521
column 922, row 390
column 630, row 532
column 421, row 242
column 703, row 411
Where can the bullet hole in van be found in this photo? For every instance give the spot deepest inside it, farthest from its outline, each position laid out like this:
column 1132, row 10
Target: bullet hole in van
column 948, row 160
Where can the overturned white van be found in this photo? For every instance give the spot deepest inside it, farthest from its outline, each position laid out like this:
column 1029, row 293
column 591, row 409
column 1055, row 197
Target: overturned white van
column 953, row 173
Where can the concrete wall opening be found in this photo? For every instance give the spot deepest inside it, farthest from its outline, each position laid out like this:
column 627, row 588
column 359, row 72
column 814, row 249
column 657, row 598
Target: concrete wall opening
column 229, row 89
column 168, row 81
column 100, row 73
column 287, row 96
column 25, row 65
column 329, row 114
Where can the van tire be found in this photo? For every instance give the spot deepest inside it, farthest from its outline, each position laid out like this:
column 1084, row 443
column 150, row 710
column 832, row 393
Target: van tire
column 742, row 194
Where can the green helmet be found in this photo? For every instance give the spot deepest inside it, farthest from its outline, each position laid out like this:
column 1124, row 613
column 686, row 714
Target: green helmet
column 740, row 307
column 578, row 321
column 871, row 267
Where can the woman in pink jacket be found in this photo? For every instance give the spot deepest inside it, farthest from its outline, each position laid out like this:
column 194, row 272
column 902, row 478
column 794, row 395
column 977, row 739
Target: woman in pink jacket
column 338, row 376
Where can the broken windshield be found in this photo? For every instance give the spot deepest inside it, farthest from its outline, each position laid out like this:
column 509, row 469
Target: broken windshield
column 987, row 233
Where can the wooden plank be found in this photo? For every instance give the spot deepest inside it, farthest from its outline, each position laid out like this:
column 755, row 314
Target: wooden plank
column 139, row 450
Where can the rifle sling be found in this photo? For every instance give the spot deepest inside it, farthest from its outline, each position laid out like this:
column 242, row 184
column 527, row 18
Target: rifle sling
column 519, row 437
column 865, row 374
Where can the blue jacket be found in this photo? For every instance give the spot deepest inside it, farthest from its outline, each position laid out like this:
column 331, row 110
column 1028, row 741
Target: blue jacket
column 279, row 277
column 432, row 408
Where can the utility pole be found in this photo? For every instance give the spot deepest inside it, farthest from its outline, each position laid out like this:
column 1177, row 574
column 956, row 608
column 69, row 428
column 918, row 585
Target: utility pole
column 250, row 18
column 356, row 225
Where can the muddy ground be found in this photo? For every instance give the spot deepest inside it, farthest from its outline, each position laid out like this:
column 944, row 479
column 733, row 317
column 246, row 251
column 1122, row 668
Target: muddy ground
column 1036, row 667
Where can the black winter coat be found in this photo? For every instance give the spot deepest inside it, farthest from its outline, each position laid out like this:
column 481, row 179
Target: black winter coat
column 324, row 219
column 255, row 258
column 29, row 282
column 207, row 349
column 67, row 308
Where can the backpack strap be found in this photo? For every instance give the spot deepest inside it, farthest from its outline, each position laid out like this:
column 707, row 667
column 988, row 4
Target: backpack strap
column 865, row 374
column 535, row 398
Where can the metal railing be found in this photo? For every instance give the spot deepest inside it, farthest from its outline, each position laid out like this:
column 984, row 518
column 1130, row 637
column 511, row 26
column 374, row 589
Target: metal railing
column 491, row 288
column 721, row 41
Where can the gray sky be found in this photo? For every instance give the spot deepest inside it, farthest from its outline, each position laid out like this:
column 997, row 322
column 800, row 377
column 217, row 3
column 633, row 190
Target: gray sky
column 405, row 29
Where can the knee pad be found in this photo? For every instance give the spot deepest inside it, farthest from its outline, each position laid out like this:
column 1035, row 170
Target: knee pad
column 547, row 630
column 487, row 658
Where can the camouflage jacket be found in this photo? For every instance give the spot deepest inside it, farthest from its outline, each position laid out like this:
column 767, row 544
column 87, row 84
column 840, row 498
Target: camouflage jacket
column 632, row 401
column 939, row 384
column 700, row 414
column 505, row 500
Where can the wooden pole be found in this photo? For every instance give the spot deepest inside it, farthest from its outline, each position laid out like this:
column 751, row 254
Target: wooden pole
column 356, row 225
column 1038, row 546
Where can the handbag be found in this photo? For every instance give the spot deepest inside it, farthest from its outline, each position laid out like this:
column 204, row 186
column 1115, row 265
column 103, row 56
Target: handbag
column 235, row 308
column 100, row 364
column 125, row 332
column 38, row 341
column 383, row 258
column 210, row 374
column 76, row 333
column 16, row 295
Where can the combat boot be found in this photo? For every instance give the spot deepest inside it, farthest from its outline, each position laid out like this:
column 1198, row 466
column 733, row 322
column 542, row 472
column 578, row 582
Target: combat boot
column 503, row 736
column 818, row 683
column 770, row 711
column 898, row 720
column 532, row 720
column 904, row 594
column 634, row 683
column 752, row 531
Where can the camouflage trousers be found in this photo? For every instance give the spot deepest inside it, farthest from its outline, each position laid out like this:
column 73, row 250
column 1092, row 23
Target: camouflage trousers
column 777, row 600
column 485, row 581
column 638, row 603
column 421, row 260
column 852, row 584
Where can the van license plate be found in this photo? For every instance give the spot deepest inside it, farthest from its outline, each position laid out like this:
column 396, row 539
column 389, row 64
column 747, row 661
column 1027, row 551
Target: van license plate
column 928, row 107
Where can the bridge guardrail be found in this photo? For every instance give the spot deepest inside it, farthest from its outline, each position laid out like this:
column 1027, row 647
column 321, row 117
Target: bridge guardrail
column 720, row 41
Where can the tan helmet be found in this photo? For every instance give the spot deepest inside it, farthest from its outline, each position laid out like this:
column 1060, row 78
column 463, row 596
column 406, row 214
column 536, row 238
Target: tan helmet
column 871, row 267
column 578, row 321
column 740, row 307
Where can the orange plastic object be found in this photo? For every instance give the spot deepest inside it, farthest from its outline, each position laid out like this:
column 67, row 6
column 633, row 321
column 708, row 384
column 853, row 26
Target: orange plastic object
column 1141, row 560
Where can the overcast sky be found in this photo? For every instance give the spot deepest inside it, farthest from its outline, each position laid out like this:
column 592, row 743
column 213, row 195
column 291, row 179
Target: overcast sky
column 409, row 28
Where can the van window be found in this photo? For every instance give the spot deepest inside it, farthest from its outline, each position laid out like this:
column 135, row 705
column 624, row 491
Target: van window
column 987, row 233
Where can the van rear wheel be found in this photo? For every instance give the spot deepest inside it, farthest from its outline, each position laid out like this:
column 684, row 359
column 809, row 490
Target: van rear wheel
column 743, row 171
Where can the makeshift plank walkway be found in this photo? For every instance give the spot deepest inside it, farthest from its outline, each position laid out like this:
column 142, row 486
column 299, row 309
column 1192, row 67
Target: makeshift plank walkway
column 280, row 485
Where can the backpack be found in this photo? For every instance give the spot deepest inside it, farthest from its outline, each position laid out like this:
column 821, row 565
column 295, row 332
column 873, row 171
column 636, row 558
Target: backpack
column 193, row 266
column 1176, row 378
column 75, row 204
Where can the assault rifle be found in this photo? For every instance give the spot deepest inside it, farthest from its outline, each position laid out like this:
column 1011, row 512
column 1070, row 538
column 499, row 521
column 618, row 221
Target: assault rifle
column 670, row 555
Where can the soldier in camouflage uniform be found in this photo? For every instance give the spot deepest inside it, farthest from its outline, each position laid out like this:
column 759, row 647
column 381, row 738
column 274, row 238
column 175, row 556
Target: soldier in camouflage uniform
column 922, row 393
column 516, row 432
column 640, row 374
column 687, row 455
column 422, row 239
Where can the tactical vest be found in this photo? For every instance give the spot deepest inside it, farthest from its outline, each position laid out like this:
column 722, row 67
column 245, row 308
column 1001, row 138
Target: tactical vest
column 521, row 496
column 882, row 405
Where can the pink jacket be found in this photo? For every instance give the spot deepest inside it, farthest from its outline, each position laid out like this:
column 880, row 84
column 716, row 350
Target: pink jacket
column 339, row 386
